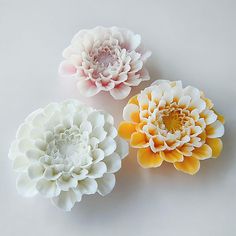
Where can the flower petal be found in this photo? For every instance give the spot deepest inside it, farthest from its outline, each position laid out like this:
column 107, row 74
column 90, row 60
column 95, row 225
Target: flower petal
column 216, row 145
column 189, row 165
column 87, row 186
column 53, row 172
column 113, row 163
column 209, row 116
column 87, row 88
column 148, row 159
column 215, row 130
column 79, row 174
column 47, row 188
column 96, row 118
column 106, row 184
column 219, row 117
column 202, row 153
column 131, row 113
column 97, row 170
column 122, row 147
column 135, row 41
column 139, row 140
column 172, row 156
column 67, row 69
column 126, row 129
column 66, row 200
column 97, row 155
column 184, row 101
column 99, row 133
column 134, row 100
column 108, row 145
column 20, row 163
column 66, row 181
column 120, row 92
column 86, row 127
column 25, row 186
column 35, row 171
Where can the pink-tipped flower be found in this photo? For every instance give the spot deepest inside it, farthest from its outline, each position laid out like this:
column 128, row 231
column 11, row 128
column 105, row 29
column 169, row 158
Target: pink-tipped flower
column 105, row 59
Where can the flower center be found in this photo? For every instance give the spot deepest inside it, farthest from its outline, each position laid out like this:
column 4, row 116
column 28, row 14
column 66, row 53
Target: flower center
column 105, row 57
column 172, row 121
column 69, row 147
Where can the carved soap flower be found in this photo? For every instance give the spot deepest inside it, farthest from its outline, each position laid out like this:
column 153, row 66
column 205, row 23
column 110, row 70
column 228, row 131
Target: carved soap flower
column 66, row 150
column 167, row 122
column 105, row 59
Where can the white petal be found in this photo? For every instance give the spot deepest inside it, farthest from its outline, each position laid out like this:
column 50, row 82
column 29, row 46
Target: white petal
column 122, row 147
column 34, row 154
column 53, row 172
column 13, row 150
column 159, row 81
column 25, row 186
column 106, row 184
column 96, row 119
column 184, row 101
column 48, row 188
column 54, row 121
column 67, row 69
column 23, row 131
column 50, row 108
column 87, row 186
column 93, row 142
column 79, row 174
column 35, row 171
column 39, row 119
column 111, row 130
column 108, row 146
column 99, row 133
column 86, row 127
column 79, row 117
column 198, row 104
column 134, row 42
column 87, row 88
column 120, row 92
column 20, row 163
column 97, row 170
column 195, row 114
column 216, row 130
column 66, row 181
column 41, row 145
column 194, row 93
column 209, row 116
column 113, row 163
column 24, row 145
column 128, row 110
column 36, row 133
column 66, row 200
column 98, row 155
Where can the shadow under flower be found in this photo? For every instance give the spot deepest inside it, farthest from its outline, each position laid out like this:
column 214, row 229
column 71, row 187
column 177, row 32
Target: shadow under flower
column 98, row 209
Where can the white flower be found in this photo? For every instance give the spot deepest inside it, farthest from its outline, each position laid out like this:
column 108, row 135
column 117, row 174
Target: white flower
column 105, row 59
column 66, row 150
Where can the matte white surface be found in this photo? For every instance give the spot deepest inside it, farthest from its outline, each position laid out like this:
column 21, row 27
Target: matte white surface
column 191, row 40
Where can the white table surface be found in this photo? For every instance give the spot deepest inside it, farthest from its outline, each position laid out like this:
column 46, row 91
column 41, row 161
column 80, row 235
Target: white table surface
column 192, row 41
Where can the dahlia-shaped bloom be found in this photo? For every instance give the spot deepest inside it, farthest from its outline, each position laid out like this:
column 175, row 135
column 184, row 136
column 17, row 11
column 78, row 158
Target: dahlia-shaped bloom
column 66, row 150
column 105, row 59
column 167, row 122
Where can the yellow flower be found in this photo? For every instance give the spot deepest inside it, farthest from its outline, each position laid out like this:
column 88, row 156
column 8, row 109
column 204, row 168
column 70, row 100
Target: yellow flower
column 167, row 122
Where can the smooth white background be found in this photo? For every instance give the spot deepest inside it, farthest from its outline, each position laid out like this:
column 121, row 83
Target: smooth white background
column 192, row 41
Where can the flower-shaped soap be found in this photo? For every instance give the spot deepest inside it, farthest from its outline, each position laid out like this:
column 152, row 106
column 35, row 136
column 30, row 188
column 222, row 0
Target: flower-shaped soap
column 167, row 122
column 105, row 59
column 66, row 150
